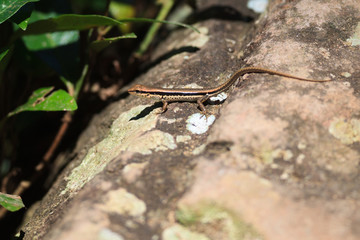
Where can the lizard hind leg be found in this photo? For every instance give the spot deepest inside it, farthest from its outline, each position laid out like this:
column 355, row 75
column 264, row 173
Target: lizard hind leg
column 164, row 107
column 200, row 102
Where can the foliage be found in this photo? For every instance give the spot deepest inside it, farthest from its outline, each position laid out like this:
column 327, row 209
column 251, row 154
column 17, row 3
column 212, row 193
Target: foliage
column 42, row 100
column 47, row 44
column 11, row 202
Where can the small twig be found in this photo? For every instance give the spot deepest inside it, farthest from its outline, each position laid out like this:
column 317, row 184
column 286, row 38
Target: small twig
column 66, row 120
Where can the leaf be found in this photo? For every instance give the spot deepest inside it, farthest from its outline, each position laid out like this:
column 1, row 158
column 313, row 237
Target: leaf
column 48, row 40
column 22, row 17
column 68, row 22
column 10, row 7
column 23, row 24
column 101, row 44
column 59, row 100
column 11, row 202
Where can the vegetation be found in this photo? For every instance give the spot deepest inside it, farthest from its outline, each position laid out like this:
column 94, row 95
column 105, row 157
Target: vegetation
column 56, row 59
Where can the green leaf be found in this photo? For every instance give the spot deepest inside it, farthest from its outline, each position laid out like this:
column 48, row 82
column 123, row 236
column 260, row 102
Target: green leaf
column 22, row 17
column 59, row 100
column 23, row 24
column 10, row 7
column 11, row 202
column 48, row 40
column 68, row 22
column 101, row 44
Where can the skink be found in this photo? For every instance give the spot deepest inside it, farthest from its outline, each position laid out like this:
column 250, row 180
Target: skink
column 167, row 95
